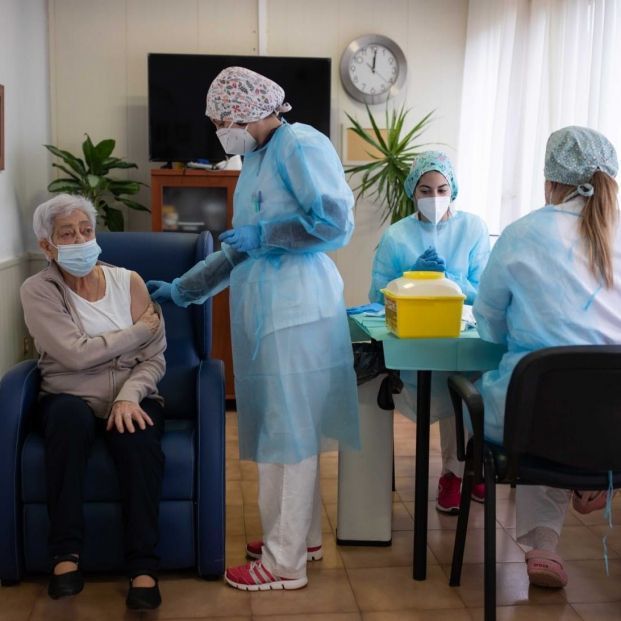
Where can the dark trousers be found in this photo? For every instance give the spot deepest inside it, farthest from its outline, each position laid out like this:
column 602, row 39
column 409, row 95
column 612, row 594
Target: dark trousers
column 69, row 428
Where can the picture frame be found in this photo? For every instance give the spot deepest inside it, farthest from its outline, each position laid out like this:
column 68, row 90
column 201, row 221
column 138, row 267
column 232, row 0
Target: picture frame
column 355, row 150
column 1, row 127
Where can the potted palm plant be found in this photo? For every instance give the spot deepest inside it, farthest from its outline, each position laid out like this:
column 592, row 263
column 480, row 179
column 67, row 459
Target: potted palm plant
column 391, row 155
column 90, row 177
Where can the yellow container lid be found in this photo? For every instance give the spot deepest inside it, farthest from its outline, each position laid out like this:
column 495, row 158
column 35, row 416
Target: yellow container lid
column 422, row 285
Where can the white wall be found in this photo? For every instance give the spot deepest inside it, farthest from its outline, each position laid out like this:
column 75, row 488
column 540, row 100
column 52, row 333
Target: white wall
column 99, row 71
column 24, row 74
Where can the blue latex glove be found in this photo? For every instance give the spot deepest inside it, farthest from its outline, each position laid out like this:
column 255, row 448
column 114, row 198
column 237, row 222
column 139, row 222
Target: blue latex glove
column 373, row 308
column 243, row 238
column 429, row 261
column 160, row 290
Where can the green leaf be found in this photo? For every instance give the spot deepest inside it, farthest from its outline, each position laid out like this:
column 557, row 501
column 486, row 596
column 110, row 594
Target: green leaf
column 72, row 174
column 116, row 162
column 74, row 162
column 113, row 218
column 71, row 186
column 124, row 187
column 104, row 149
column 94, row 181
column 134, row 205
column 90, row 156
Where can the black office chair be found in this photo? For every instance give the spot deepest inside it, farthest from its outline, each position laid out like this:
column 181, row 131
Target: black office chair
column 562, row 429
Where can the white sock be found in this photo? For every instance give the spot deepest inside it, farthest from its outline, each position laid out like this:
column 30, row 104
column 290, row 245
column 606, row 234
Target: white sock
column 545, row 538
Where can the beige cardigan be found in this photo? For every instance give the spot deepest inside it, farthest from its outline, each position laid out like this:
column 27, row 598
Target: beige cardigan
column 123, row 365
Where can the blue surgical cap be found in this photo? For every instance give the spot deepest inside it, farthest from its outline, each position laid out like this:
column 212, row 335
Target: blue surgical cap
column 425, row 162
column 574, row 153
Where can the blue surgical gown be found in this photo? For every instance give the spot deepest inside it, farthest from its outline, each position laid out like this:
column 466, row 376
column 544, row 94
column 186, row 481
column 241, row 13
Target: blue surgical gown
column 294, row 377
column 538, row 291
column 463, row 242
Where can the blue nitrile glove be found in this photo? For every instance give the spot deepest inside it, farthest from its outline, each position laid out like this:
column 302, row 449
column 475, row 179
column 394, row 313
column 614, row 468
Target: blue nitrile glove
column 374, row 308
column 429, row 261
column 243, row 238
column 160, row 290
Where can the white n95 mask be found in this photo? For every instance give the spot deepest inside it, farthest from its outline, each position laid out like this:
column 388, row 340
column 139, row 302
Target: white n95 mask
column 236, row 140
column 433, row 207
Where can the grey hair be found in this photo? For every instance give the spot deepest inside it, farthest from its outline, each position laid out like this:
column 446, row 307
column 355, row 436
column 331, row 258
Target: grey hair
column 60, row 205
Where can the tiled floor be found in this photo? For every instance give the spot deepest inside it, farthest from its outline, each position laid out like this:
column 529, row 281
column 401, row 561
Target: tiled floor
column 365, row 584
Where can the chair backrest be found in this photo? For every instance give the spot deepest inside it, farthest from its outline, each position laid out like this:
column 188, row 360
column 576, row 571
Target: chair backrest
column 164, row 256
column 564, row 404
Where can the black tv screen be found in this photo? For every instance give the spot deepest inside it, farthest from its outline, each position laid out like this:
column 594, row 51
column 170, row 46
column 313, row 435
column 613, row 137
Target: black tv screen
column 178, row 128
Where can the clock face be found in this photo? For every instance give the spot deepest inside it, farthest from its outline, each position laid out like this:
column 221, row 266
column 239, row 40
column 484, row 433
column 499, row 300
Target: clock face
column 373, row 70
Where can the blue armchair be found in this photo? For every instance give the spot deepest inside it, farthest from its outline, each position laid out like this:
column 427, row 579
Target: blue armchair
column 192, row 518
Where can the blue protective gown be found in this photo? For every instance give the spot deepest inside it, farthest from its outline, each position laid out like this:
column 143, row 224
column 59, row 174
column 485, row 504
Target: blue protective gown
column 463, row 242
column 538, row 291
column 294, row 376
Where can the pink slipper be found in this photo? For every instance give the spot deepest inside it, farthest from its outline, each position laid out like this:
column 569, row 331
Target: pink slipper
column 587, row 502
column 545, row 569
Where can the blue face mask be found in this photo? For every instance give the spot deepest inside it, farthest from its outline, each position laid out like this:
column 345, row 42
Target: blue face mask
column 78, row 259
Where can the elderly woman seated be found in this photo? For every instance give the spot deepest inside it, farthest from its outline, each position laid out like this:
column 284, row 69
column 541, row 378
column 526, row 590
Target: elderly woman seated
column 101, row 354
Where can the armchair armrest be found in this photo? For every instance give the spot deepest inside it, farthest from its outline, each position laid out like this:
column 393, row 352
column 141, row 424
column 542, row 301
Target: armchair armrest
column 210, row 505
column 463, row 390
column 19, row 389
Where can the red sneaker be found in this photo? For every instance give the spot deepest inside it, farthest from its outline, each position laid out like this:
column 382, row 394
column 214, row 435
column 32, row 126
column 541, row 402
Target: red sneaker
column 478, row 493
column 255, row 548
column 449, row 489
column 254, row 577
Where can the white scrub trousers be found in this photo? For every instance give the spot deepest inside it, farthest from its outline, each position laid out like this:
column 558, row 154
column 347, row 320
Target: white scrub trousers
column 290, row 507
column 539, row 506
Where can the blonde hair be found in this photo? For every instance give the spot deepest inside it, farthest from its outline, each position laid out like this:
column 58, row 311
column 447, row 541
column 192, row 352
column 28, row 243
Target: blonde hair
column 597, row 225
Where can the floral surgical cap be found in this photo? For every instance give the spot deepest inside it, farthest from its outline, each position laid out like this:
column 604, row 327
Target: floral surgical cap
column 574, row 153
column 243, row 96
column 425, row 162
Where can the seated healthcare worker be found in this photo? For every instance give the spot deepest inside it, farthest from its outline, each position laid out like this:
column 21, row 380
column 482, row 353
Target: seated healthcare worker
column 554, row 278
column 294, row 375
column 435, row 238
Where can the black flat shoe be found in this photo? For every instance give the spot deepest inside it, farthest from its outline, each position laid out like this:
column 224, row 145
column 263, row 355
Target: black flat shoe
column 143, row 598
column 65, row 585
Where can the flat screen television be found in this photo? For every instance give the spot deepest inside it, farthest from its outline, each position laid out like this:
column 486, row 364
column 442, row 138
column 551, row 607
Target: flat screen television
column 178, row 128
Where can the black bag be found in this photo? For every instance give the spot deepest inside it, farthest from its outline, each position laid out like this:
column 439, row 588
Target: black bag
column 369, row 363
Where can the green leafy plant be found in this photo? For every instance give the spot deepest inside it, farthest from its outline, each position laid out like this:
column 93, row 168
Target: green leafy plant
column 392, row 155
column 89, row 177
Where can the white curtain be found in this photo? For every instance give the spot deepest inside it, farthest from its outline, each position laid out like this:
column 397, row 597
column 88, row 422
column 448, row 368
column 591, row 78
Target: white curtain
column 531, row 67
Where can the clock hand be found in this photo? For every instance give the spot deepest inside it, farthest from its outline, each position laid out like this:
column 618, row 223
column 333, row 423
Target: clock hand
column 374, row 57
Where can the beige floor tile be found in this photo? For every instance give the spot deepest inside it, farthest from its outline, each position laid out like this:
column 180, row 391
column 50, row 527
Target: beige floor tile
column 250, row 491
column 512, row 587
column 405, row 488
column 234, row 493
column 332, row 513
column 17, row 602
column 599, row 612
column 303, row 616
column 613, row 536
column 454, row 614
column 195, row 598
column 404, row 466
column 530, row 613
column 441, row 543
column 436, row 520
column 235, row 520
column 399, row 554
column 232, row 469
column 588, row 581
column 392, row 588
column 581, row 543
column 329, row 465
column 331, row 555
column 597, row 518
column 252, row 522
column 328, row 591
column 236, row 550
column 249, row 470
column 101, row 600
column 401, row 518
column 329, row 490
column 231, row 449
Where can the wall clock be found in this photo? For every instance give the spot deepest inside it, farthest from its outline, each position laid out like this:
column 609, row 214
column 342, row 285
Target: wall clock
column 373, row 69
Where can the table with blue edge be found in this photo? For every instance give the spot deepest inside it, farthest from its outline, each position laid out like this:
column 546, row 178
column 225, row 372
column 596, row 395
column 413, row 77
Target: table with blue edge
column 467, row 352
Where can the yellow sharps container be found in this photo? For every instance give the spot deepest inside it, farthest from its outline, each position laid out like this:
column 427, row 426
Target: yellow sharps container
column 423, row 305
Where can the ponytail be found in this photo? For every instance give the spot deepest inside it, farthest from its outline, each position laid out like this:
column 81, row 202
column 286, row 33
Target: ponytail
column 599, row 218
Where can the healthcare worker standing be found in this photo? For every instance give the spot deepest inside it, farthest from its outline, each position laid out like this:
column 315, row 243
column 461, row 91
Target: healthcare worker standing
column 294, row 377
column 554, row 278
column 436, row 237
